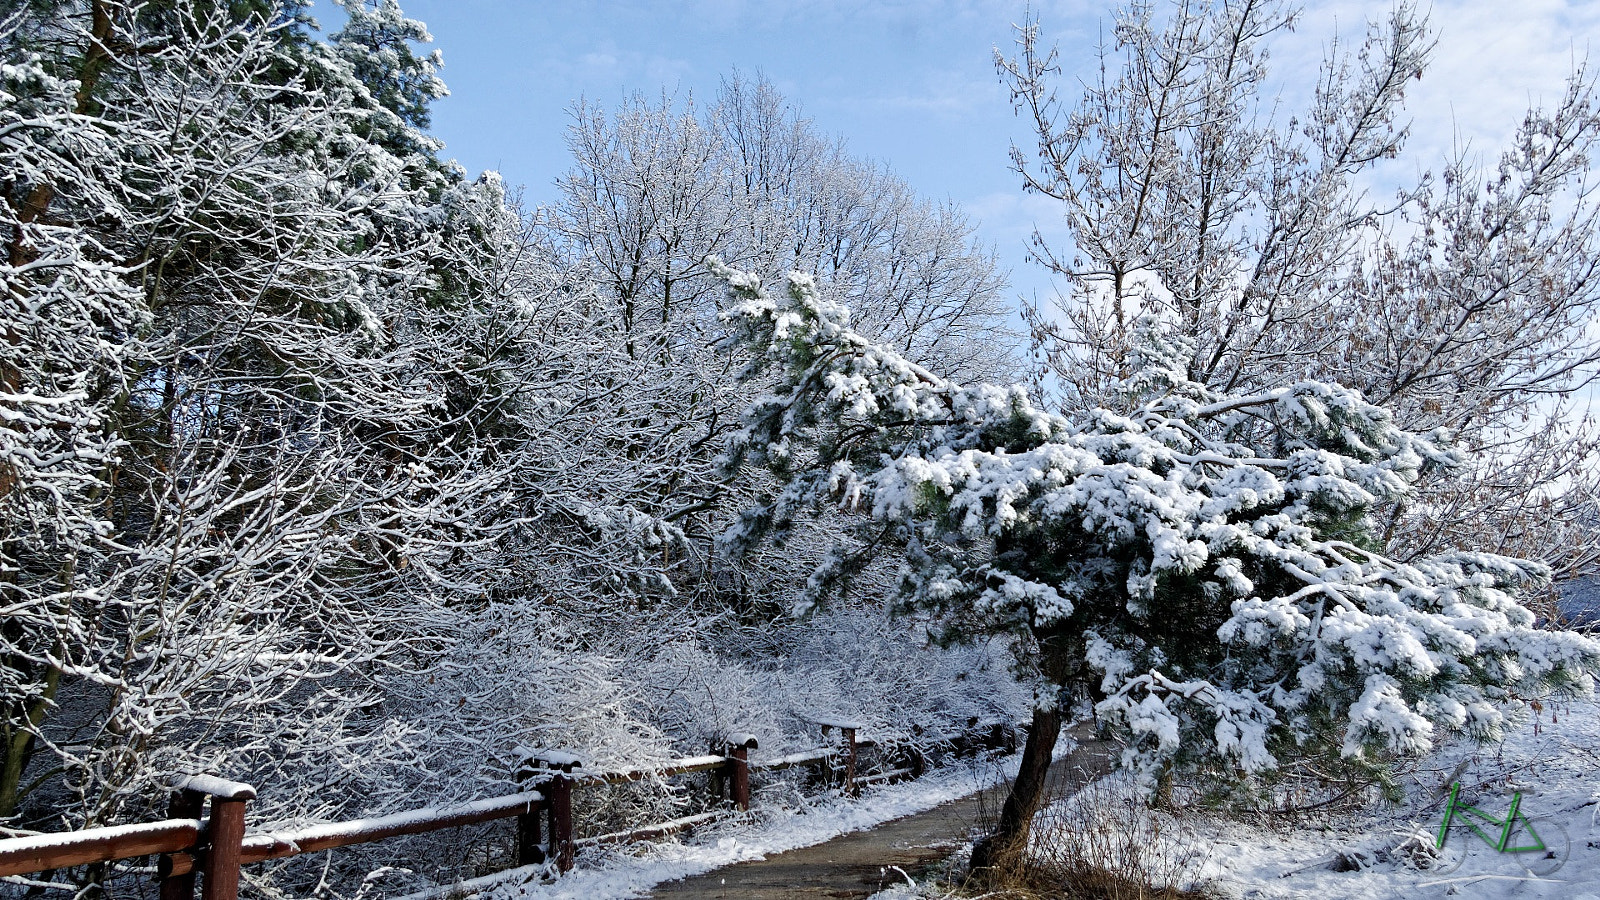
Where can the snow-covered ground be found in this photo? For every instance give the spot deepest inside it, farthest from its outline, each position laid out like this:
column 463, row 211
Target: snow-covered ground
column 1556, row 767
column 632, row 871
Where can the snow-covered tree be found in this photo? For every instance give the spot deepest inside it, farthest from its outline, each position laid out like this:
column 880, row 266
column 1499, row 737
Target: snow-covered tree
column 377, row 41
column 324, row 467
column 236, row 489
column 908, row 267
column 1205, row 561
column 67, row 312
column 655, row 188
column 1466, row 302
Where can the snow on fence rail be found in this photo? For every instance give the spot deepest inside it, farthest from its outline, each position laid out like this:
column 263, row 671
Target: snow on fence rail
column 42, row 852
column 189, row 843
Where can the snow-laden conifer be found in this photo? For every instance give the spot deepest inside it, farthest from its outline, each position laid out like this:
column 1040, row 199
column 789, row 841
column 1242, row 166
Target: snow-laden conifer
column 1202, row 561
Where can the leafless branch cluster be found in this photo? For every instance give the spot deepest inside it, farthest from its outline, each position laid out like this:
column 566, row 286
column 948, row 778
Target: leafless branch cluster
column 1465, row 305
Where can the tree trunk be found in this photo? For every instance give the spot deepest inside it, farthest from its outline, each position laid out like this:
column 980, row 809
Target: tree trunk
column 95, row 56
column 18, row 745
column 1000, row 852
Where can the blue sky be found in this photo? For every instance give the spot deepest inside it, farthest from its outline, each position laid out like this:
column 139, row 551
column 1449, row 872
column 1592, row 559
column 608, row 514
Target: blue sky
column 912, row 83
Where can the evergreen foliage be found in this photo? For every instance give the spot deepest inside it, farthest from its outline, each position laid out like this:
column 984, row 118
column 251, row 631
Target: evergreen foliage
column 1205, row 561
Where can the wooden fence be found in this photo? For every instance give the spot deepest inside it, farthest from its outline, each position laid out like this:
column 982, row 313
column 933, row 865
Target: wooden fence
column 189, row 842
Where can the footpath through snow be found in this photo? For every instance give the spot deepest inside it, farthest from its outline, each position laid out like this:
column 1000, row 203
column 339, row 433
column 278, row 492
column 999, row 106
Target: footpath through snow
column 632, row 871
column 934, row 813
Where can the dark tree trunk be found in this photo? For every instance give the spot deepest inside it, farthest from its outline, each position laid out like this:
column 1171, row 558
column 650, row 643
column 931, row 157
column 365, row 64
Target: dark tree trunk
column 1001, row 850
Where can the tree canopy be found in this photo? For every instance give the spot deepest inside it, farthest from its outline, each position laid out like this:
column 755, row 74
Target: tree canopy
column 1205, row 561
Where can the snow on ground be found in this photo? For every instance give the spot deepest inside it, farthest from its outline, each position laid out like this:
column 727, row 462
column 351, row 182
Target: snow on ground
column 633, row 870
column 1556, row 766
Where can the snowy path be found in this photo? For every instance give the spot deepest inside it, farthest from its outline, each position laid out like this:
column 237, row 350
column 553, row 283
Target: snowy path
column 865, row 862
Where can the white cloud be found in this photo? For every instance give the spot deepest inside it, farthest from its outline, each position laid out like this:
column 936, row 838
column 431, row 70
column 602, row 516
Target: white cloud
column 605, row 63
column 1007, row 220
column 1493, row 59
column 942, row 93
column 1015, row 214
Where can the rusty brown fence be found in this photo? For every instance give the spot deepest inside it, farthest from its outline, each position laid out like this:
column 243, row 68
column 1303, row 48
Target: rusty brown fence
column 204, row 842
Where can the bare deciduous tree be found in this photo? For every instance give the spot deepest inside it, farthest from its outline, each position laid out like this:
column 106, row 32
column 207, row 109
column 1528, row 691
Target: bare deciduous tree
column 1466, row 305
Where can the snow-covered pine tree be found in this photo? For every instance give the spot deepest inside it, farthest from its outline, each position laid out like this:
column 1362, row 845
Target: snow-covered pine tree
column 1203, row 560
column 377, row 41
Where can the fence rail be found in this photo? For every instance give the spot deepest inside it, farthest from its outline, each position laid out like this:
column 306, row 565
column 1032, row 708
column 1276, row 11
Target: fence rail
column 189, row 843
column 41, row 853
column 282, row 844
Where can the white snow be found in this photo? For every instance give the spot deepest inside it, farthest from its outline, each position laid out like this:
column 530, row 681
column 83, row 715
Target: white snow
column 551, row 758
column 1556, row 767
column 694, row 762
column 216, row 787
column 1557, row 770
column 175, row 834
column 355, row 828
column 836, row 722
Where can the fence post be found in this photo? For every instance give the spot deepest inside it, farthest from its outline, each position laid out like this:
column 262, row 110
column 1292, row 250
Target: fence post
column 558, row 792
column 224, row 833
column 850, row 762
column 177, row 870
column 222, row 859
column 847, row 729
column 738, row 768
column 529, row 850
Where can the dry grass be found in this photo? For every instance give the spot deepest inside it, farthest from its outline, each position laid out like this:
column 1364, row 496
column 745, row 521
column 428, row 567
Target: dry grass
column 1103, row 843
